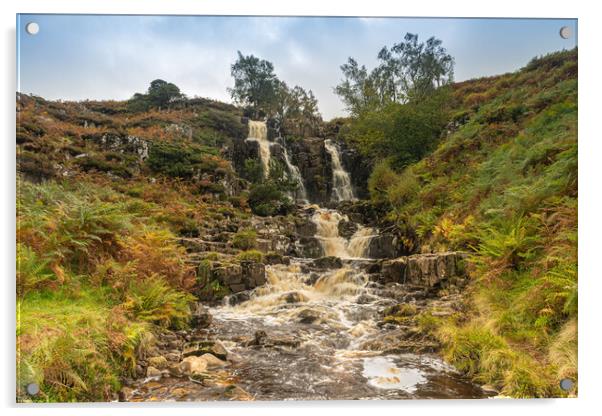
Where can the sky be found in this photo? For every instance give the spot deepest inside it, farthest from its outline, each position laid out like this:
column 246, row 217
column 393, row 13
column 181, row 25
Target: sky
column 78, row 57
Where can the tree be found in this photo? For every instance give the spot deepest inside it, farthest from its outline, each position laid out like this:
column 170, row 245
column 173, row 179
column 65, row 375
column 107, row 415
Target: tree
column 159, row 95
column 410, row 70
column 255, row 84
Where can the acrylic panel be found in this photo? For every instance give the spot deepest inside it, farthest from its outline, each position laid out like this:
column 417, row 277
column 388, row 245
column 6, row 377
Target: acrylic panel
column 295, row 208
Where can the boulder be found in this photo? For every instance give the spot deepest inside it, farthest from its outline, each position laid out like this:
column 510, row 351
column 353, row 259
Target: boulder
column 294, row 297
column 200, row 348
column 213, row 362
column 153, row 372
column 276, row 258
column 201, row 318
column 347, row 228
column 393, row 271
column 308, row 247
column 253, row 274
column 308, row 316
column 193, row 365
column 328, row 262
column 383, row 246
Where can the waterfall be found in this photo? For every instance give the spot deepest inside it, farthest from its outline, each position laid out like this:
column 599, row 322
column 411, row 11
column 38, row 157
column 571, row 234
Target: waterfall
column 327, row 222
column 258, row 132
column 301, row 193
column 341, row 181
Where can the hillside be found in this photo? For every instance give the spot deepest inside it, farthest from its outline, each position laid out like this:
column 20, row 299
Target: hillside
column 502, row 184
column 147, row 236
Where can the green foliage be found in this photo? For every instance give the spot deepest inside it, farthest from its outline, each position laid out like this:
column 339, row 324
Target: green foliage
column 408, row 71
column 179, row 160
column 159, row 95
column 403, row 133
column 33, row 272
column 266, row 199
column 255, row 256
column 255, row 84
column 154, row 301
column 502, row 184
column 245, row 239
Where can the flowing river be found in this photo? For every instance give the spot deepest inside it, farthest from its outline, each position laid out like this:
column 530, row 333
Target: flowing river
column 316, row 333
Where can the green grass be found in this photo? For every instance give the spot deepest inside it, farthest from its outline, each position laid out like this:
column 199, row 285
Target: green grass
column 503, row 186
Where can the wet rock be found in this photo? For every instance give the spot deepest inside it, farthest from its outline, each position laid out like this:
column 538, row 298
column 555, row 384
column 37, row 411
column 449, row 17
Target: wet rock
column 201, row 318
column 213, row 362
column 347, row 228
column 383, row 246
column 309, row 247
column 261, row 338
column 139, row 370
column 276, row 258
column 315, row 165
column 425, row 271
column 328, row 262
column 200, row 348
column 159, row 362
column 294, row 297
column 125, row 394
column 309, row 316
column 153, row 372
column 238, row 298
column 193, row 365
column 305, row 227
column 311, row 279
column 394, row 270
column 253, row 274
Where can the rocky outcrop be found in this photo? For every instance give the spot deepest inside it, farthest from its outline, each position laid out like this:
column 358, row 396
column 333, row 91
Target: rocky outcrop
column 384, row 246
column 315, row 166
column 239, row 277
column 425, row 270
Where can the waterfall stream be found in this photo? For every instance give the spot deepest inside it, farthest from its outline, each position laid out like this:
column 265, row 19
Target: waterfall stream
column 315, row 330
column 258, row 132
column 327, row 222
column 341, row 181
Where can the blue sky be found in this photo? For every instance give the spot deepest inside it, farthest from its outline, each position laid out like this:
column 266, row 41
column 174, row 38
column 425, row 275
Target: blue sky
column 76, row 57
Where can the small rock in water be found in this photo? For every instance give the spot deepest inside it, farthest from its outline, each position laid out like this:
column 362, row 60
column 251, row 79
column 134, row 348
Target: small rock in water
column 261, row 338
column 193, row 365
column 213, row 361
column 328, row 262
column 153, row 372
column 309, row 316
column 294, row 297
column 125, row 394
column 203, row 347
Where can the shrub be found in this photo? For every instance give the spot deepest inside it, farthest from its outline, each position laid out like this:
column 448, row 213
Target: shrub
column 152, row 300
column 250, row 255
column 266, row 199
column 245, row 239
column 32, row 271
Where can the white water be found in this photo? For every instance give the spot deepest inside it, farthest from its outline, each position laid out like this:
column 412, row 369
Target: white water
column 258, row 132
column 301, row 192
column 341, row 181
column 327, row 222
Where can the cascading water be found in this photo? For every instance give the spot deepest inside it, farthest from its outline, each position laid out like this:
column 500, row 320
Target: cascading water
column 311, row 333
column 301, row 192
column 258, row 132
column 341, row 181
column 327, row 222
column 316, row 335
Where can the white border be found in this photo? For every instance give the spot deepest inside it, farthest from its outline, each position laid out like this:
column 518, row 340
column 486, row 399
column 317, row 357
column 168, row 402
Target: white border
column 590, row 212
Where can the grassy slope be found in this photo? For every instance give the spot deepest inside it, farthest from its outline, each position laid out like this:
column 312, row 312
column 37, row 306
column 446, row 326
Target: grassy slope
column 98, row 266
column 503, row 185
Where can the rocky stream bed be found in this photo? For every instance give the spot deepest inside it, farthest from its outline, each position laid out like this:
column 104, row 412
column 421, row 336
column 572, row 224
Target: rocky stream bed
column 321, row 320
